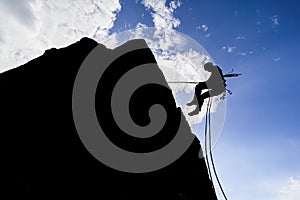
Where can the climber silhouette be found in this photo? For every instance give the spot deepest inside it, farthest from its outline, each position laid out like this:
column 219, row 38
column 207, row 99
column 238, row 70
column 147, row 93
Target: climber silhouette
column 215, row 85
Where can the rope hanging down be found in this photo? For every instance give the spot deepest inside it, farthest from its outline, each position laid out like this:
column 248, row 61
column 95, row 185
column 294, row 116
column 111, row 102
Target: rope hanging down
column 207, row 131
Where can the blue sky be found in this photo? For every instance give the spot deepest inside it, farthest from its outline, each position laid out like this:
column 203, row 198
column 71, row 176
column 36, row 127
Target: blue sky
column 258, row 154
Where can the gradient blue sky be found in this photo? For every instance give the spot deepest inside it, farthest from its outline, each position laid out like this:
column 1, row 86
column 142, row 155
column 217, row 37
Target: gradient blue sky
column 258, row 154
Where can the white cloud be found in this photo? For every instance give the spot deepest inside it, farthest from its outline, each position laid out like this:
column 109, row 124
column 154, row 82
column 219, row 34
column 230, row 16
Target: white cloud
column 277, row 59
column 20, row 10
column 43, row 24
column 291, row 190
column 140, row 25
column 245, row 53
column 204, row 27
column 281, row 189
column 163, row 15
column 175, row 4
column 229, row 49
column 239, row 37
column 163, row 18
column 207, row 35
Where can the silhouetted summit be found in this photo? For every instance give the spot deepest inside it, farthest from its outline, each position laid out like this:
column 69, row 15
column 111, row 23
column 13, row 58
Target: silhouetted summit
column 44, row 153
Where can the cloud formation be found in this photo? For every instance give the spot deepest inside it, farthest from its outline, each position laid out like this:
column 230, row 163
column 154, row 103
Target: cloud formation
column 20, row 10
column 277, row 59
column 162, row 14
column 204, row 27
column 291, row 190
column 281, row 189
column 28, row 28
column 239, row 37
column 229, row 49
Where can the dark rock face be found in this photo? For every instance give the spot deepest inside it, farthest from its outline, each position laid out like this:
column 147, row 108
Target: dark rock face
column 43, row 152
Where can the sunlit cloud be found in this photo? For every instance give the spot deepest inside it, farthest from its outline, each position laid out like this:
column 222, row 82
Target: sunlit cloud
column 204, row 27
column 47, row 24
column 162, row 14
column 229, row 49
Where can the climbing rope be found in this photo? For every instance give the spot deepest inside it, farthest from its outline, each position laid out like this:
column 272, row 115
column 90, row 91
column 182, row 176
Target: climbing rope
column 205, row 139
column 210, row 156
